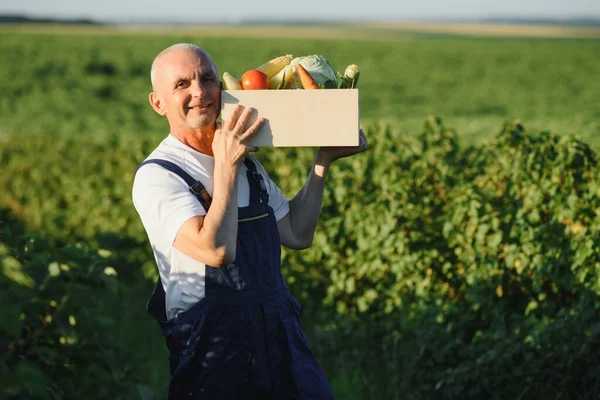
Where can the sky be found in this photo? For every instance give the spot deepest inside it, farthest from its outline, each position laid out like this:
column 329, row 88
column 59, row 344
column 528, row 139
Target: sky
column 239, row 10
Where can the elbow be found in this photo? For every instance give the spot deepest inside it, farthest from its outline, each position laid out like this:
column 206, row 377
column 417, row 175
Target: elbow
column 227, row 260
column 305, row 244
column 222, row 257
column 301, row 243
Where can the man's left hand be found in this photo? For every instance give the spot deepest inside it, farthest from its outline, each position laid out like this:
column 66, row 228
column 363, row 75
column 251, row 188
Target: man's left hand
column 330, row 154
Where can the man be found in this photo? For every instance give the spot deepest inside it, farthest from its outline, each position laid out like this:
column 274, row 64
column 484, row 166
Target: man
column 216, row 221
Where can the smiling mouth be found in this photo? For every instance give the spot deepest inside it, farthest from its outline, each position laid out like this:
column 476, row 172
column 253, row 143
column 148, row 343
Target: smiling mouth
column 200, row 106
column 200, row 109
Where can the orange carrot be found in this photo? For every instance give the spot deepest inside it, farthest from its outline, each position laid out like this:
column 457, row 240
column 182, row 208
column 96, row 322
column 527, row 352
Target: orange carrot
column 307, row 81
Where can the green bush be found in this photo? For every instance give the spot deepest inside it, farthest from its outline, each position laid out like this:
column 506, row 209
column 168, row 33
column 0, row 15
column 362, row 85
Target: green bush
column 79, row 189
column 438, row 271
column 58, row 322
column 470, row 272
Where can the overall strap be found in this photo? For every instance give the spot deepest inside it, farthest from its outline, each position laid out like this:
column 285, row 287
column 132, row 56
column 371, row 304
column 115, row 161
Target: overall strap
column 196, row 187
column 258, row 187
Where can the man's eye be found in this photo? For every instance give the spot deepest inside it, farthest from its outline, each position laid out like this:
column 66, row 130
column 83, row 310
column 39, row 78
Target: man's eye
column 209, row 79
column 181, row 84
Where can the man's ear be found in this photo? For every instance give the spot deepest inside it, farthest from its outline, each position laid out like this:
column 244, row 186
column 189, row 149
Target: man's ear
column 156, row 103
column 221, row 84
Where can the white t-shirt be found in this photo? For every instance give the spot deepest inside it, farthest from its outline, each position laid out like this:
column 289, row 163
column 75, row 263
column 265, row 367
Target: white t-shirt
column 164, row 202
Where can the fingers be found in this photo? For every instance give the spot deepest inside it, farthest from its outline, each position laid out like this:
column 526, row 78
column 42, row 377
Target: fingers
column 363, row 143
column 239, row 118
column 235, row 115
column 253, row 128
column 242, row 121
column 235, row 131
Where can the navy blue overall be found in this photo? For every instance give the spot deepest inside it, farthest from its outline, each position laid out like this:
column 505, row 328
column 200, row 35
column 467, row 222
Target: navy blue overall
column 243, row 340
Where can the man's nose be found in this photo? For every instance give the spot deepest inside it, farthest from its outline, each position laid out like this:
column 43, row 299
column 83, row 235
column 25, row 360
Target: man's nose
column 197, row 88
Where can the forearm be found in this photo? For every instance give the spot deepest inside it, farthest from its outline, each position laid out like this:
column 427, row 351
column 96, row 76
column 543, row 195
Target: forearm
column 305, row 207
column 221, row 221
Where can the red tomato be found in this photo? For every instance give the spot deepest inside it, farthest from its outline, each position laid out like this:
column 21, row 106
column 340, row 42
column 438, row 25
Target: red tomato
column 254, row 80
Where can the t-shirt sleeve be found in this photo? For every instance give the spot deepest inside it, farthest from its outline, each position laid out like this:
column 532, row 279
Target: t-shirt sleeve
column 163, row 201
column 277, row 200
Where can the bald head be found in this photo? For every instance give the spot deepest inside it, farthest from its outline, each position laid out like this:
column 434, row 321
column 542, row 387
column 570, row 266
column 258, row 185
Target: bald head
column 186, row 90
column 178, row 47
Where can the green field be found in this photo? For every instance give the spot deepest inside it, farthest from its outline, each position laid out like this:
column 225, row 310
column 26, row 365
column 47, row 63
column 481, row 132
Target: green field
column 458, row 258
column 474, row 84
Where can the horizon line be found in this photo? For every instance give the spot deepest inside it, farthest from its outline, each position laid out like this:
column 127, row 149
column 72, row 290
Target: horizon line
column 532, row 19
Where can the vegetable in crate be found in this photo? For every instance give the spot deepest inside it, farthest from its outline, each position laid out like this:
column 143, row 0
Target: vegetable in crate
column 319, row 69
column 287, row 72
column 276, row 65
column 230, row 82
column 254, row 80
column 284, row 79
column 350, row 78
column 305, row 78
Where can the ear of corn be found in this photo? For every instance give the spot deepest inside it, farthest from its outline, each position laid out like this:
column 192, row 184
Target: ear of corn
column 284, row 79
column 274, row 66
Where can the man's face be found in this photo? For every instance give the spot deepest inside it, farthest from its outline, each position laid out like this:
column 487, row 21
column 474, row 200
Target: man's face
column 188, row 90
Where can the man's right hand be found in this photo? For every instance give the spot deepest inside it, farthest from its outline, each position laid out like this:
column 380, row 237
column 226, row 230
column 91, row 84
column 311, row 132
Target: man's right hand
column 212, row 238
column 231, row 137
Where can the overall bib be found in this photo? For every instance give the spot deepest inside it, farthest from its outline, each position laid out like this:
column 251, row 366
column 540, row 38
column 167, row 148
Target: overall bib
column 243, row 340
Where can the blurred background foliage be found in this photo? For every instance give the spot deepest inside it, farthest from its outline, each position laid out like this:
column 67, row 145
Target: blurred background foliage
column 458, row 258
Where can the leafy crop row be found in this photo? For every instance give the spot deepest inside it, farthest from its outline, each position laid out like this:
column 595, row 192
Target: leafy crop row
column 438, row 271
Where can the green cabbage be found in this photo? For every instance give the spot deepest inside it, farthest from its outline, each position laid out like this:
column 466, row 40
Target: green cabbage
column 319, row 68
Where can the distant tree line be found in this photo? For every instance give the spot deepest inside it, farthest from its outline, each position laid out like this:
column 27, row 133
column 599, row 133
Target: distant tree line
column 20, row 19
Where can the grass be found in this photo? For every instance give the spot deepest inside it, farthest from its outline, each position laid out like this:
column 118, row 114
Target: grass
column 91, row 84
